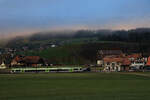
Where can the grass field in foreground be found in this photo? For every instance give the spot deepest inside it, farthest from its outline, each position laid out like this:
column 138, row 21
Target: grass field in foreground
column 74, row 86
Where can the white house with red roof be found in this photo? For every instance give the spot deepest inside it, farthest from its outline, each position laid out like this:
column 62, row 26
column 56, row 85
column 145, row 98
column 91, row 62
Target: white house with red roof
column 137, row 61
column 112, row 63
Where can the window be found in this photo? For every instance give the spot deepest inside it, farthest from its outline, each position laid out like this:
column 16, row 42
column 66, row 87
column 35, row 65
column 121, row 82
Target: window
column 108, row 63
column 118, row 63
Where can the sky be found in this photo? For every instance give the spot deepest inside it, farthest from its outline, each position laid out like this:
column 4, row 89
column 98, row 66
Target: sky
column 23, row 17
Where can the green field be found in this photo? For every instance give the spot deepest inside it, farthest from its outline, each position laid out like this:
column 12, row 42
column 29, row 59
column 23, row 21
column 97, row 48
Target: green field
column 75, row 86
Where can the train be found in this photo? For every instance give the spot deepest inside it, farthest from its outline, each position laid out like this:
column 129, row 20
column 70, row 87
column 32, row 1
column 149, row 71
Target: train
column 48, row 70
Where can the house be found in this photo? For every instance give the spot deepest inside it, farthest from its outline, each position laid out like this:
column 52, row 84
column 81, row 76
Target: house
column 111, row 63
column 133, row 57
column 30, row 61
column 137, row 61
column 102, row 53
column 33, row 61
column 137, row 65
column 53, row 46
column 99, row 63
column 2, row 66
column 17, row 61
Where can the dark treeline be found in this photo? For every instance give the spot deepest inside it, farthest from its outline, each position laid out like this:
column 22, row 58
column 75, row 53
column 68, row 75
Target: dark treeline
column 141, row 34
column 137, row 35
column 103, row 35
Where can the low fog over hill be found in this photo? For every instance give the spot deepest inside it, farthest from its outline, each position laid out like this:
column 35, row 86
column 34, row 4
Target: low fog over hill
column 105, row 35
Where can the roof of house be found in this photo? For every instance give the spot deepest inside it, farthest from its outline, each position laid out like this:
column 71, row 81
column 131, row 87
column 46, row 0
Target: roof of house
column 28, row 59
column 123, row 61
column 112, row 59
column 32, row 59
column 135, row 56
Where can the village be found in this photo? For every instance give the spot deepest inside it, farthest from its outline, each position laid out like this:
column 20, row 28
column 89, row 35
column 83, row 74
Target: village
column 116, row 60
column 107, row 61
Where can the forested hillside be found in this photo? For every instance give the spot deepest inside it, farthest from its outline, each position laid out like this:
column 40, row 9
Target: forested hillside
column 81, row 47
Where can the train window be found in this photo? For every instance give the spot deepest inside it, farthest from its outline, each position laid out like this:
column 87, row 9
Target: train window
column 76, row 69
column 17, row 70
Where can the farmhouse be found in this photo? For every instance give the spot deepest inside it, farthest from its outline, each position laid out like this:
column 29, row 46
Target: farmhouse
column 112, row 63
column 137, row 61
column 17, row 61
column 31, row 61
column 137, row 65
column 103, row 53
column 134, row 57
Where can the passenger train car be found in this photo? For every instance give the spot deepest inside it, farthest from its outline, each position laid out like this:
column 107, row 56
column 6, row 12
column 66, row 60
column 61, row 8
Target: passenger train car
column 46, row 70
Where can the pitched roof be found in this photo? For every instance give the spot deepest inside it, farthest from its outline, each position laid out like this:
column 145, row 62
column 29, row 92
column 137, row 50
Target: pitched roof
column 123, row 61
column 32, row 59
column 28, row 59
column 135, row 56
column 112, row 59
